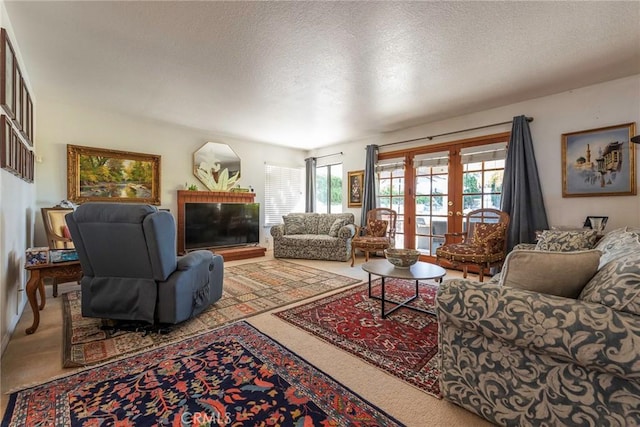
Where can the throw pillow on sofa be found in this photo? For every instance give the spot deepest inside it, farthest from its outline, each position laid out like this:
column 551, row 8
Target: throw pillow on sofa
column 294, row 225
column 617, row 244
column 553, row 273
column 616, row 285
column 336, row 226
column 566, row 241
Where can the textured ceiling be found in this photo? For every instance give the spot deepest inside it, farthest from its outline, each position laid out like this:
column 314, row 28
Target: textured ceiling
column 311, row 74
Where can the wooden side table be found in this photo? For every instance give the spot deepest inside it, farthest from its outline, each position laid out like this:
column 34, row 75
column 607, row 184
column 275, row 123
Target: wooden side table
column 68, row 271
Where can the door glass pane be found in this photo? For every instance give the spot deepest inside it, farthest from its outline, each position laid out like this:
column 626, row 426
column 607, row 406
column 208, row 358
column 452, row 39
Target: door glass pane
column 391, row 195
column 493, row 188
column 423, row 203
column 432, row 186
column 471, row 182
column 482, row 185
column 397, row 186
column 471, row 203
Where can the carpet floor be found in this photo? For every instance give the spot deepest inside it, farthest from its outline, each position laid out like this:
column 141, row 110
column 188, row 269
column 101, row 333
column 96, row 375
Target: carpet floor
column 248, row 289
column 234, row 375
column 404, row 344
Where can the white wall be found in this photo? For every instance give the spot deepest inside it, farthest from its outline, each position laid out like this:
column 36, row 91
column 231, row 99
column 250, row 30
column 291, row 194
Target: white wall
column 16, row 225
column 62, row 124
column 610, row 103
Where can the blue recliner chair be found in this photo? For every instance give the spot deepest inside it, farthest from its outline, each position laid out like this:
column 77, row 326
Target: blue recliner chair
column 130, row 269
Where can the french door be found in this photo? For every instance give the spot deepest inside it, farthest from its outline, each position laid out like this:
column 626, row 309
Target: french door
column 432, row 188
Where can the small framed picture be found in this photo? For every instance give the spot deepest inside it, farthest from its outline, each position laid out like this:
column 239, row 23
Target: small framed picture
column 355, row 181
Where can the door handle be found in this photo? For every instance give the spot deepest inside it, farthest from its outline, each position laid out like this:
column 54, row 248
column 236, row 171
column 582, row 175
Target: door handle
column 450, row 213
column 459, row 213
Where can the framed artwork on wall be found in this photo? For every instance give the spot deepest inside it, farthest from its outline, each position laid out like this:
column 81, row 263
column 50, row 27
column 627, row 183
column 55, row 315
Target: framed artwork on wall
column 15, row 156
column 95, row 174
column 355, row 181
column 18, row 118
column 599, row 162
column 5, row 142
column 29, row 119
column 7, row 75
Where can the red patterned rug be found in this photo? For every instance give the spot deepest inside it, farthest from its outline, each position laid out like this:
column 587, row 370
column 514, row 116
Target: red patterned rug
column 404, row 344
column 234, row 375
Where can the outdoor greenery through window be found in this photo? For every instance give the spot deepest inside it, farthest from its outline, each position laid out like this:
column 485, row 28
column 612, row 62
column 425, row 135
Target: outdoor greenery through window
column 329, row 189
column 482, row 174
column 482, row 185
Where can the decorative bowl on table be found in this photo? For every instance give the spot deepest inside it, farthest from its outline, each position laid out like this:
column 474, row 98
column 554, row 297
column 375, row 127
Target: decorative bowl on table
column 402, row 258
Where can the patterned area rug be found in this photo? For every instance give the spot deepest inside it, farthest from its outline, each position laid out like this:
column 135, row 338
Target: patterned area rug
column 404, row 344
column 232, row 376
column 248, row 289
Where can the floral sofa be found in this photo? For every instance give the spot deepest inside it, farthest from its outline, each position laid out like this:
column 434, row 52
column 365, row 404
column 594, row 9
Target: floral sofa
column 521, row 357
column 314, row 236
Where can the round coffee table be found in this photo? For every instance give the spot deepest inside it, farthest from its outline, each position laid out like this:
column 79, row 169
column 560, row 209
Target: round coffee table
column 418, row 271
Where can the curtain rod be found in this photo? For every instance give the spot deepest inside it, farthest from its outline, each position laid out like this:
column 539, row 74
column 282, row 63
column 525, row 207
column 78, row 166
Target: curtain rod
column 327, row 155
column 529, row 119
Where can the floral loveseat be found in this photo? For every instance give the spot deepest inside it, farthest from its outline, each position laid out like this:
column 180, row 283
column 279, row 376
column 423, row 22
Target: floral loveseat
column 314, row 236
column 521, row 357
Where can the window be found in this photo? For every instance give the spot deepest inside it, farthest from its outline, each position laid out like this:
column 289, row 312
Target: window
column 283, row 192
column 329, row 189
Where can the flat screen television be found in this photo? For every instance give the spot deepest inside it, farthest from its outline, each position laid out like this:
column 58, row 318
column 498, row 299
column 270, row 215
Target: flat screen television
column 216, row 225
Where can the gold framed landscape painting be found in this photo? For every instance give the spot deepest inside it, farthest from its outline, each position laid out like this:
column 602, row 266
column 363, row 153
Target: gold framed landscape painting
column 599, row 162
column 99, row 175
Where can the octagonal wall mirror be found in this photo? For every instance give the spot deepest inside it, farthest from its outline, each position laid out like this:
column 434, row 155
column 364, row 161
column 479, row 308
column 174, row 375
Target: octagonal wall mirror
column 217, row 166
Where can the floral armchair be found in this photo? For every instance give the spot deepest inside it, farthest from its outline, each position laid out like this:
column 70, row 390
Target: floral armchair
column 377, row 235
column 483, row 244
column 521, row 357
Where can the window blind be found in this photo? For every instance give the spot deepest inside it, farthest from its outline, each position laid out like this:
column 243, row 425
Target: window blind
column 440, row 158
column 484, row 153
column 389, row 165
column 283, row 192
